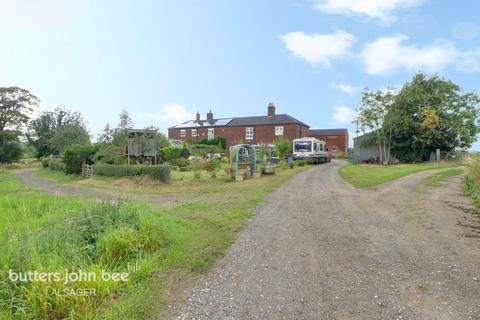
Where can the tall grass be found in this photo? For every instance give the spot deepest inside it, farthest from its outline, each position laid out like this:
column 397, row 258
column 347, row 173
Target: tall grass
column 472, row 181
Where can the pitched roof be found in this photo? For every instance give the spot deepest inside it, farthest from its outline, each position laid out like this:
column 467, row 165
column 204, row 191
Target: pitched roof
column 242, row 121
column 265, row 120
column 328, row 132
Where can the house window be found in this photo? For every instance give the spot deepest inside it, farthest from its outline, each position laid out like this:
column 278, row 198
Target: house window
column 194, row 132
column 279, row 131
column 183, row 133
column 248, row 133
column 211, row 133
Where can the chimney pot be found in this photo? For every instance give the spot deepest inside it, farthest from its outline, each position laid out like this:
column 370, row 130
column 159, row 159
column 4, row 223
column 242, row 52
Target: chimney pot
column 197, row 117
column 271, row 109
column 210, row 116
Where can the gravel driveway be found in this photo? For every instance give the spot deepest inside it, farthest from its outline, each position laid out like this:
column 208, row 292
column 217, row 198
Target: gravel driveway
column 320, row 249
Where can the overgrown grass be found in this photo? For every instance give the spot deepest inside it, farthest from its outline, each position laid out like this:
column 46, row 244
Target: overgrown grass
column 472, row 181
column 363, row 176
column 438, row 178
column 47, row 233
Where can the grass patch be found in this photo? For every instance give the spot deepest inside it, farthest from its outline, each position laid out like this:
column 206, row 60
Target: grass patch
column 49, row 233
column 364, row 176
column 438, row 178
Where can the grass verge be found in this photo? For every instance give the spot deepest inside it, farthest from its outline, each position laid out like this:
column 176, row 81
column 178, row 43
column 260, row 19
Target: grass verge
column 364, row 176
column 438, row 178
column 47, row 233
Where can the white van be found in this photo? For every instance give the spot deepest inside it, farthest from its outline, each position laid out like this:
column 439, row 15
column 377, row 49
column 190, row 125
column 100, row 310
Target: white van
column 310, row 149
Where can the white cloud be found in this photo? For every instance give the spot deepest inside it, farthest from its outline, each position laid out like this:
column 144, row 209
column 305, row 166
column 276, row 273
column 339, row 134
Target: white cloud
column 319, row 48
column 388, row 54
column 344, row 87
column 376, row 9
column 344, row 115
column 171, row 114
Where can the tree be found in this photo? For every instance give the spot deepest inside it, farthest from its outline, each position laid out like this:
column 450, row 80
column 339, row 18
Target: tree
column 430, row 113
column 107, row 135
column 16, row 106
column 374, row 115
column 68, row 135
column 10, row 148
column 49, row 124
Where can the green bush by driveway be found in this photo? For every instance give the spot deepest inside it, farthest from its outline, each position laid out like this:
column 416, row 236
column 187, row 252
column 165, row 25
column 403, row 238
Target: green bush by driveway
column 161, row 172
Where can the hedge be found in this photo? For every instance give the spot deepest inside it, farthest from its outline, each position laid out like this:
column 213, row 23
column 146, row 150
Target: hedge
column 161, row 172
column 56, row 164
column 77, row 154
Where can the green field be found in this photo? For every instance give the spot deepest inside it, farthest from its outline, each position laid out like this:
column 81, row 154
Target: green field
column 438, row 178
column 42, row 232
column 364, row 176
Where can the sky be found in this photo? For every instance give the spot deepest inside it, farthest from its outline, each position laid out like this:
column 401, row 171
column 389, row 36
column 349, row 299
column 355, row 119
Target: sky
column 163, row 61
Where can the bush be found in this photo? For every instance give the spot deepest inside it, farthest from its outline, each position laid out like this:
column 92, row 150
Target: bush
column 45, row 162
column 218, row 141
column 197, row 166
column 109, row 153
column 212, row 166
column 10, row 148
column 171, row 153
column 77, row 154
column 56, row 164
column 300, row 163
column 472, row 182
column 161, row 172
column 182, row 162
column 283, row 147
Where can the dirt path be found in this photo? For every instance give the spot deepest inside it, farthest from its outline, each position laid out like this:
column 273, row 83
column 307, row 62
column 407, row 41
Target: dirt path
column 320, row 249
column 31, row 179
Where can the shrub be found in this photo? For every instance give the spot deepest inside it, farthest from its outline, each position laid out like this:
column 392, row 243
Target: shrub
column 221, row 142
column 109, row 153
column 283, row 147
column 300, row 163
column 45, row 162
column 56, row 164
column 75, row 155
column 197, row 166
column 10, row 148
column 212, row 166
column 160, row 172
column 472, row 182
column 171, row 153
column 182, row 162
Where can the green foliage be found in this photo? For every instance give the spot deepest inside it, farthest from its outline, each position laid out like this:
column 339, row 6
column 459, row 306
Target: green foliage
column 182, row 162
column 300, row 163
column 197, row 166
column 56, row 164
column 76, row 155
column 109, row 153
column 66, row 136
column 53, row 131
column 212, row 166
column 16, row 106
column 171, row 153
column 10, row 148
column 431, row 113
column 283, row 147
column 438, row 178
column 160, row 173
column 44, row 162
column 219, row 142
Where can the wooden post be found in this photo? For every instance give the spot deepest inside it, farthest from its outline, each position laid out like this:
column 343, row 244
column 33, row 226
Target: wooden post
column 438, row 155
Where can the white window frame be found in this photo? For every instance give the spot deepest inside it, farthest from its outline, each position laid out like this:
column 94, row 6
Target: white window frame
column 183, row 133
column 194, row 133
column 279, row 131
column 211, row 133
column 249, row 133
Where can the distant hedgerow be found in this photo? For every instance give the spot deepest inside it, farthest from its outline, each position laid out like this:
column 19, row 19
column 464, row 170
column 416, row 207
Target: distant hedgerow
column 160, row 172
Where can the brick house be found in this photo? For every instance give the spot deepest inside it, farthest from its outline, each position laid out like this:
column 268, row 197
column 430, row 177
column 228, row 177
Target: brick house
column 256, row 129
column 252, row 130
column 336, row 139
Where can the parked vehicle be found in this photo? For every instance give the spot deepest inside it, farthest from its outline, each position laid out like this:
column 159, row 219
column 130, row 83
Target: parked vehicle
column 310, row 149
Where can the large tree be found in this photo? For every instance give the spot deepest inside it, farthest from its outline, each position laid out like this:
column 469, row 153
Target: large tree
column 54, row 130
column 430, row 113
column 16, row 107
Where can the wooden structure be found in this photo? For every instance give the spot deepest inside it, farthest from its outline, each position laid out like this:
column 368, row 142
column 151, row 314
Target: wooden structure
column 243, row 161
column 141, row 146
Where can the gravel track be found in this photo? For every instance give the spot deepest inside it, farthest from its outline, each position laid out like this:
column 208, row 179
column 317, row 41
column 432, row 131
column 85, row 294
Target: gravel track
column 320, row 249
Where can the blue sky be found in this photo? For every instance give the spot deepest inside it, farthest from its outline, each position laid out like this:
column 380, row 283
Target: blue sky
column 164, row 60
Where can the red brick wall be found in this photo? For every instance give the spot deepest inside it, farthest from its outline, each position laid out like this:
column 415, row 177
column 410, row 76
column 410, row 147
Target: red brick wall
column 261, row 134
column 340, row 143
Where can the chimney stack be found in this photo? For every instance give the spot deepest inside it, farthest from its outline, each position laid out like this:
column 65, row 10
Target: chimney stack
column 197, row 118
column 210, row 116
column 271, row 109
